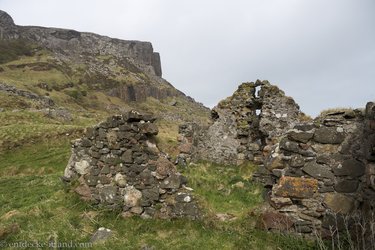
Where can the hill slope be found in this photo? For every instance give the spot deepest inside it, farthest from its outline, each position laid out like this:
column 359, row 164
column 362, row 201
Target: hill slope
column 68, row 78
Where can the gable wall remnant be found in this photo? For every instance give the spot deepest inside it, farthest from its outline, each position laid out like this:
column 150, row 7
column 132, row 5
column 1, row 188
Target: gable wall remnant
column 315, row 172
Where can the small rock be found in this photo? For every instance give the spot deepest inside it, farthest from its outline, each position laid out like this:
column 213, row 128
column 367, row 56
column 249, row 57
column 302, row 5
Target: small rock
column 225, row 217
column 347, row 186
column 136, row 210
column 120, row 180
column 339, row 203
column 82, row 167
column 239, row 184
column 101, row 235
column 318, row 171
column 350, row 167
column 300, row 136
column 132, row 196
column 296, row 187
column 274, row 220
column 328, row 135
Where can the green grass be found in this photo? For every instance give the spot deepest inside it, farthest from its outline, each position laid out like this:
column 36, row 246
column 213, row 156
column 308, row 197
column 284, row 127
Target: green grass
column 25, row 127
column 40, row 159
column 217, row 185
column 32, row 196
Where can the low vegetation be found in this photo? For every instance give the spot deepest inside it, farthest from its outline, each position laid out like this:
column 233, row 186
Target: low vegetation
column 12, row 49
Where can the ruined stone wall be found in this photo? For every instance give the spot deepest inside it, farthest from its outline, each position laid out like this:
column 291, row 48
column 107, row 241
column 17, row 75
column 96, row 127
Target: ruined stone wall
column 252, row 118
column 316, row 173
column 117, row 165
column 317, row 170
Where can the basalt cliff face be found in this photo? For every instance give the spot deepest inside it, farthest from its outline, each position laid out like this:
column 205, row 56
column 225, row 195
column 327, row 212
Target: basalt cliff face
column 71, row 44
column 129, row 70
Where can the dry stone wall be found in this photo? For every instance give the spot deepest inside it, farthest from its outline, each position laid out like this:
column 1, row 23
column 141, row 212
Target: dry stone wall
column 317, row 173
column 117, row 165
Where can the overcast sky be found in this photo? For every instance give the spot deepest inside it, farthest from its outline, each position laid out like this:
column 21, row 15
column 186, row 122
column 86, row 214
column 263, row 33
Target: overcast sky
column 321, row 52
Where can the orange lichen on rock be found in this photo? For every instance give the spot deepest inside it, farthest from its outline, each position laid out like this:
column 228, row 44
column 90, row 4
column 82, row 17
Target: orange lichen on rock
column 296, row 187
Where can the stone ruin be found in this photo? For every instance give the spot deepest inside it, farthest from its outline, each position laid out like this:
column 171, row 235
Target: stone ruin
column 316, row 173
column 254, row 116
column 117, row 165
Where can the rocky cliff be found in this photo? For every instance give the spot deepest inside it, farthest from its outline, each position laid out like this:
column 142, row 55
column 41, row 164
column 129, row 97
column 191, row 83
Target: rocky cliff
column 129, row 70
column 71, row 44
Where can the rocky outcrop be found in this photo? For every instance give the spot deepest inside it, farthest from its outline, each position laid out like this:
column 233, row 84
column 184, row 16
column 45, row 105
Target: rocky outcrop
column 254, row 117
column 7, row 26
column 10, row 90
column 127, row 69
column 74, row 44
column 118, row 166
column 140, row 92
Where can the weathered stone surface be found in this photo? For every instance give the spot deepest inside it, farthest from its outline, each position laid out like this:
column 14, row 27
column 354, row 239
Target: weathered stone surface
column 297, row 161
column 329, row 135
column 165, row 167
column 149, row 129
column 92, row 180
column 350, row 167
column 108, row 194
column 318, row 171
column 132, row 196
column 102, row 234
column 279, row 202
column 185, row 148
column 347, row 186
column 82, row 166
column 84, row 191
column 150, row 194
column 120, row 180
column 274, row 220
column 290, row 146
column 296, row 187
column 127, row 157
column 334, row 221
column 339, row 203
column 189, row 209
column 300, row 136
column 171, row 182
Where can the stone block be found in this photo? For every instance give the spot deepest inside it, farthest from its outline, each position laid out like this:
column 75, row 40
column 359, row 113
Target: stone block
column 296, row 187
